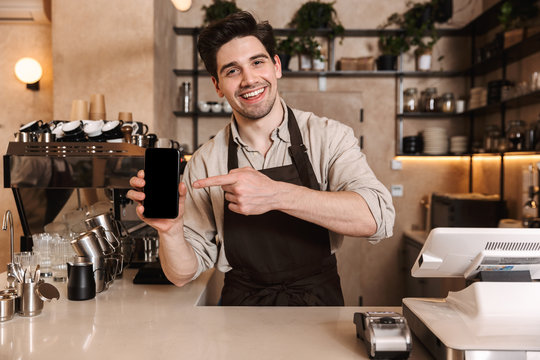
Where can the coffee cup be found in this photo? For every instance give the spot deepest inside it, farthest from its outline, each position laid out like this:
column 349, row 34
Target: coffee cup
column 73, row 128
column 227, row 107
column 73, row 131
column 97, row 107
column 204, row 106
column 125, row 116
column 79, row 110
column 93, row 127
column 138, row 127
column 112, row 130
column 53, row 124
column 167, row 143
column 215, row 106
column 32, row 126
column 57, row 131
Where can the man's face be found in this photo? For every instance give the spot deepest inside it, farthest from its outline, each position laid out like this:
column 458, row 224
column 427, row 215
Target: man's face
column 247, row 77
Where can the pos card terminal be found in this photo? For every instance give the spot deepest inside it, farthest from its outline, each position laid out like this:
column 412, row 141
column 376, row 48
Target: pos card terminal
column 385, row 333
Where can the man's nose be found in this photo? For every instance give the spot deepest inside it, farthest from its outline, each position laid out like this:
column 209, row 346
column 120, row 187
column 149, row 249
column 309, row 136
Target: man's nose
column 248, row 77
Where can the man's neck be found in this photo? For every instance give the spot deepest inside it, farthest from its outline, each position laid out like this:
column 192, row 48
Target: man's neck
column 257, row 133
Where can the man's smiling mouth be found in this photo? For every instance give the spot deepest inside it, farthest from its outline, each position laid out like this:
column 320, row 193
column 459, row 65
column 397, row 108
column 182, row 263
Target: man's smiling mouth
column 252, row 93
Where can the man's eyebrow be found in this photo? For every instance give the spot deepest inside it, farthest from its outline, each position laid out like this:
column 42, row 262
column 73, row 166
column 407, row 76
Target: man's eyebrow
column 234, row 63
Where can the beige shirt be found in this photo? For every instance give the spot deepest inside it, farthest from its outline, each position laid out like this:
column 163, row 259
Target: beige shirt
column 337, row 161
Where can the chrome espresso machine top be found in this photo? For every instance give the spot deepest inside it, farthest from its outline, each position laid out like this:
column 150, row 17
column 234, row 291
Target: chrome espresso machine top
column 43, row 176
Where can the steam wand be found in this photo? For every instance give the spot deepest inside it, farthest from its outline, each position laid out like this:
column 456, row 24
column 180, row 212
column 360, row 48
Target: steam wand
column 9, row 217
column 11, row 271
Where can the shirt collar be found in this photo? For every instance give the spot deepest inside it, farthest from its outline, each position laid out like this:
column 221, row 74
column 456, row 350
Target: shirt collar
column 281, row 132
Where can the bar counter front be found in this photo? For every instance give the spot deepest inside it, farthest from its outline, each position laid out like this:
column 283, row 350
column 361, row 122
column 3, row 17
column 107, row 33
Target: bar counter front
column 131, row 321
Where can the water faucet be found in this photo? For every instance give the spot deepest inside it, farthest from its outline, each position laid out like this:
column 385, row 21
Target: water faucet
column 9, row 217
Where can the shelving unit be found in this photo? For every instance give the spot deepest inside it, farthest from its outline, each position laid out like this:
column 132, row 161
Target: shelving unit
column 195, row 72
column 479, row 26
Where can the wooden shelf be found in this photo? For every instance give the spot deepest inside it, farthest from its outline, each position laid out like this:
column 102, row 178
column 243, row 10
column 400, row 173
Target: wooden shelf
column 429, row 115
column 508, row 56
column 342, row 73
column 513, row 103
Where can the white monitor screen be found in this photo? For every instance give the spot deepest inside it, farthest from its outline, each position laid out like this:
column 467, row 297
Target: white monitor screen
column 464, row 252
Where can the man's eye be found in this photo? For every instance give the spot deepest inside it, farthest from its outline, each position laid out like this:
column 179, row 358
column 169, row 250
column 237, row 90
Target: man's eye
column 231, row 72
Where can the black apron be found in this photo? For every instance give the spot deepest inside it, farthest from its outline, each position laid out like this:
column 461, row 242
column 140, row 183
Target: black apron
column 276, row 258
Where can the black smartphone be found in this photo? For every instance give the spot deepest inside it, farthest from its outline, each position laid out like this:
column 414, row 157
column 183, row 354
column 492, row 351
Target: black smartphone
column 162, row 176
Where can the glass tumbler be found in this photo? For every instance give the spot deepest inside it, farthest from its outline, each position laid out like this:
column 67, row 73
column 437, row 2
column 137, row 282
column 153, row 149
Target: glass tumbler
column 43, row 244
column 62, row 253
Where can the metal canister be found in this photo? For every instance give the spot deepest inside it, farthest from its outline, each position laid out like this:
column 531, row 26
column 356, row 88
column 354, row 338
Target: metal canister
column 185, row 96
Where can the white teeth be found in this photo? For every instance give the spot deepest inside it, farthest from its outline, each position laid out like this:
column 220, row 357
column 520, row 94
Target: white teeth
column 253, row 93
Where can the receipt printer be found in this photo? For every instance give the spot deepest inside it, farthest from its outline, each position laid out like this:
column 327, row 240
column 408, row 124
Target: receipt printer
column 385, row 333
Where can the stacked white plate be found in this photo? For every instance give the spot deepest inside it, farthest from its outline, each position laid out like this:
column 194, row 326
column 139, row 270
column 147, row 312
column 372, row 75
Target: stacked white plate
column 458, row 145
column 435, row 141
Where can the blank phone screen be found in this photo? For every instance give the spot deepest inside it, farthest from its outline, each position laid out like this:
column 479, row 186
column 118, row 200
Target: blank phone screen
column 161, row 174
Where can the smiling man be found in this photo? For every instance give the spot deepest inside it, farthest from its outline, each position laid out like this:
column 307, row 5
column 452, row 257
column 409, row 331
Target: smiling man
column 270, row 197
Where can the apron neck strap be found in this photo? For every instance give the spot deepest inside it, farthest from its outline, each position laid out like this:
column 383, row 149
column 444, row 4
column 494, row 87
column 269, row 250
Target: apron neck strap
column 297, row 150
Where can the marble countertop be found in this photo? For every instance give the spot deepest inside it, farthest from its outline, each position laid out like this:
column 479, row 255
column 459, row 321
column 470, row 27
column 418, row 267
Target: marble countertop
column 130, row 321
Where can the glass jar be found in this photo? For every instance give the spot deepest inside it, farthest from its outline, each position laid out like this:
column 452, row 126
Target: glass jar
column 516, row 135
column 492, row 135
column 430, row 100
column 447, row 103
column 410, row 100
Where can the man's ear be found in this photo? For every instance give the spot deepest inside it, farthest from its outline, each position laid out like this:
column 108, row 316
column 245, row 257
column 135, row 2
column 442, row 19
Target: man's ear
column 216, row 85
column 277, row 66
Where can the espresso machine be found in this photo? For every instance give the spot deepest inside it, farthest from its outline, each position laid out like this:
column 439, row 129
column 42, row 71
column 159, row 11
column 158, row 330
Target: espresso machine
column 49, row 178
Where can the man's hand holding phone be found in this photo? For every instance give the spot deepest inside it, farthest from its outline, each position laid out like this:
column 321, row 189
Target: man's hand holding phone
column 137, row 194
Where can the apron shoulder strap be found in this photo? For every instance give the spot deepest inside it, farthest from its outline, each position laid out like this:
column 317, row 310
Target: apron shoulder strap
column 232, row 157
column 298, row 152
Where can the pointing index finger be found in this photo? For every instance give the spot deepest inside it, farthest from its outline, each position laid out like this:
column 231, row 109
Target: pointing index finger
column 219, row 180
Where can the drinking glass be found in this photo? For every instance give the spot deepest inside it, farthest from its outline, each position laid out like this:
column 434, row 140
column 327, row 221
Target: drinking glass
column 43, row 244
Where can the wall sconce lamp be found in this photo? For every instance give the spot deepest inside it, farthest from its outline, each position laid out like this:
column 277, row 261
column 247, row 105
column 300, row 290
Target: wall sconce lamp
column 182, row 5
column 29, row 71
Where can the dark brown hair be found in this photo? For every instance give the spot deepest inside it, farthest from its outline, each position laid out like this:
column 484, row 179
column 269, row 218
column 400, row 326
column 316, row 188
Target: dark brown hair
column 240, row 24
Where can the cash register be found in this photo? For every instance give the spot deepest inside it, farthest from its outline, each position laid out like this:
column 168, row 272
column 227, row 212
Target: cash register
column 497, row 316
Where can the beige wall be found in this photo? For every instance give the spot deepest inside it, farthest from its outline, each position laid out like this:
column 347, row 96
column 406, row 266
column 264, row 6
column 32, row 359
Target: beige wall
column 126, row 50
column 19, row 105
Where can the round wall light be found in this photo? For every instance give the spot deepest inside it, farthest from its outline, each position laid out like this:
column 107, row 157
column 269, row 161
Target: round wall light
column 29, row 71
column 182, row 5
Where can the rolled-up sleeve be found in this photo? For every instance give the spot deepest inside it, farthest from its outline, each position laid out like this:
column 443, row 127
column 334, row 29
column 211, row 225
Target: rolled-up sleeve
column 199, row 224
column 348, row 170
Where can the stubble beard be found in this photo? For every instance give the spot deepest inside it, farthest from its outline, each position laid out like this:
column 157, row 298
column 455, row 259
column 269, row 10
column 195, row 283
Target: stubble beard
column 260, row 110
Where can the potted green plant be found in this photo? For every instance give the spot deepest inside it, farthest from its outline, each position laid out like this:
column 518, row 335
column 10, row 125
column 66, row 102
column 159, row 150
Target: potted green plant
column 418, row 25
column 286, row 47
column 218, row 10
column 311, row 17
column 391, row 46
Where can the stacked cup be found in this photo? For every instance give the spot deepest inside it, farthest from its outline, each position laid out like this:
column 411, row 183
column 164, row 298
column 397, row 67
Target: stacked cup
column 97, row 107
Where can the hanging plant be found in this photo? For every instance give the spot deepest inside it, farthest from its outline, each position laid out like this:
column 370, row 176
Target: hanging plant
column 315, row 15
